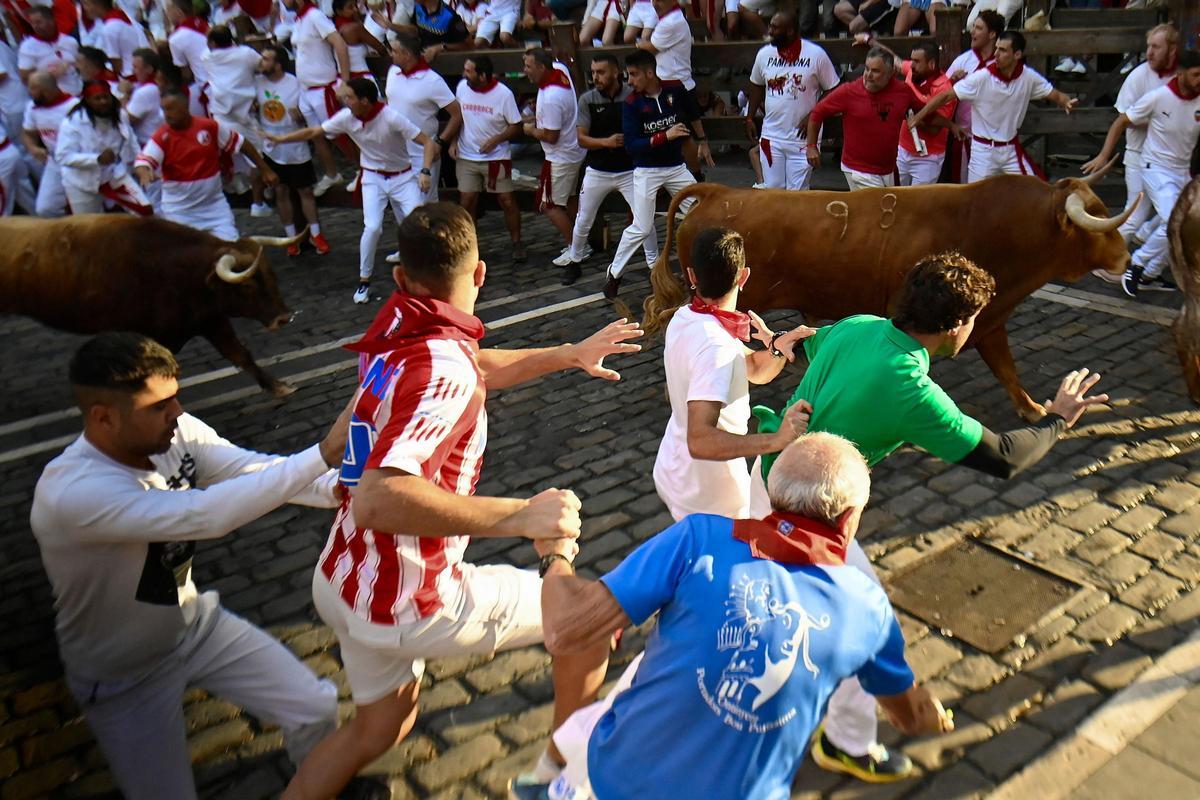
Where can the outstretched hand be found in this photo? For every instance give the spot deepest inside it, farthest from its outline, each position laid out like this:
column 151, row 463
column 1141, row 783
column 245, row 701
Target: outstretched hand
column 786, row 342
column 1073, row 399
column 612, row 339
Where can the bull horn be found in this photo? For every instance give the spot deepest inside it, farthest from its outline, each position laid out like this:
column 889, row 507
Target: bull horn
column 1089, row 222
column 277, row 241
column 226, row 272
column 1090, row 180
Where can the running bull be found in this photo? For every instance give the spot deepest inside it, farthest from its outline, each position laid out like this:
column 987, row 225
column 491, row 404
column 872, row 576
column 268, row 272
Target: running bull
column 832, row 254
column 93, row 272
column 1183, row 232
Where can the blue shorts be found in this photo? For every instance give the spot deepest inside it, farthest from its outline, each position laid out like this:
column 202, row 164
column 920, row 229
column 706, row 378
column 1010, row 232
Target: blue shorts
column 921, row 5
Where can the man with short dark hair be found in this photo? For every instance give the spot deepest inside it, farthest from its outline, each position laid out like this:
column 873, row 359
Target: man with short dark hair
column 873, row 111
column 116, row 517
column 1000, row 97
column 231, row 69
column 121, row 36
column 391, row 581
column 861, row 359
column 382, row 135
column 142, row 101
column 983, row 31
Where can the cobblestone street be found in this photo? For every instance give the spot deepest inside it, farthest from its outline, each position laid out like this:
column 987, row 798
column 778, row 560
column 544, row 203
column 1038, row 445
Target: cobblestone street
column 1115, row 507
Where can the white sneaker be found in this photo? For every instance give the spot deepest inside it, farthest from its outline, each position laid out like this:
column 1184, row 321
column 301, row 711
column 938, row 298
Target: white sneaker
column 759, row 186
column 564, row 259
column 352, row 184
column 1080, row 68
column 260, row 210
column 363, row 295
column 586, row 253
column 1066, row 64
column 238, row 184
column 393, row 258
column 326, row 183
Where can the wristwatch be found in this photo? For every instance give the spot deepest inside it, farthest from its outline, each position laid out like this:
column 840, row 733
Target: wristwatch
column 440, row 142
column 544, row 566
column 775, row 351
column 425, row 171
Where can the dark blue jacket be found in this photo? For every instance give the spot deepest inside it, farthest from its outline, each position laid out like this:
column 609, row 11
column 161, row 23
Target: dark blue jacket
column 644, row 116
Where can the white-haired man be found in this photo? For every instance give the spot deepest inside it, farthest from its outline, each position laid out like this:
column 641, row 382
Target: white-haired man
column 759, row 621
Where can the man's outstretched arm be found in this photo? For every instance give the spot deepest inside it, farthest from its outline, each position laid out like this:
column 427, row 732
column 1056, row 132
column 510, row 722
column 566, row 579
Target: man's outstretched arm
column 504, row 368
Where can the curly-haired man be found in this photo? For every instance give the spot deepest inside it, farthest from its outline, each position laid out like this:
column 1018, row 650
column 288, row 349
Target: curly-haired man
column 868, row 381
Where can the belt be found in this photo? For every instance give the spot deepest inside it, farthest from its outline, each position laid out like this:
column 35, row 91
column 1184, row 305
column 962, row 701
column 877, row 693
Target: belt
column 386, row 173
column 4, row 143
column 993, row 142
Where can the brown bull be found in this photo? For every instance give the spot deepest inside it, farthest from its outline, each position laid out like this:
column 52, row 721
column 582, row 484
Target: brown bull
column 94, row 272
column 832, row 254
column 1183, row 231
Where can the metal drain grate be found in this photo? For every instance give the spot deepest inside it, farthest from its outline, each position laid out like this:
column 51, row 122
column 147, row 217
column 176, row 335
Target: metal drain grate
column 979, row 594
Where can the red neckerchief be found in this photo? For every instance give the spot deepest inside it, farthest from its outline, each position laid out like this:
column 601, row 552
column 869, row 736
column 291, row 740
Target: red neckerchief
column 87, row 22
column 671, row 11
column 983, row 62
column 1173, row 84
column 1170, row 70
column 118, row 14
column 792, row 539
column 194, row 23
column 405, row 318
column 57, row 101
column 735, row 323
column 307, row 7
column 106, row 75
column 46, row 39
column 372, row 114
column 340, row 22
column 1016, row 73
column 420, row 66
column 791, row 53
column 487, row 87
column 555, row 77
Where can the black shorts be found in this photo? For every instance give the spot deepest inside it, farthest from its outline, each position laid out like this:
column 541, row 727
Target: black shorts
column 294, row 176
column 873, row 14
column 691, row 105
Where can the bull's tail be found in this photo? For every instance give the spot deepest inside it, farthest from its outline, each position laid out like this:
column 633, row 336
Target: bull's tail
column 668, row 289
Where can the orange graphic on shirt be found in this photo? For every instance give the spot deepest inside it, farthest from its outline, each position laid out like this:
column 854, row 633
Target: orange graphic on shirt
column 273, row 109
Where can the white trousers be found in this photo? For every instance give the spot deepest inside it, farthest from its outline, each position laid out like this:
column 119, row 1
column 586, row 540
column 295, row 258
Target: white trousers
column 1143, row 220
column 127, row 194
column 917, row 170
column 12, row 169
column 214, row 216
column 646, row 183
column 867, row 180
column 139, row 723
column 416, row 155
column 402, row 191
column 850, row 720
column 598, row 185
column 784, row 164
column 51, row 197
column 1163, row 187
column 988, row 160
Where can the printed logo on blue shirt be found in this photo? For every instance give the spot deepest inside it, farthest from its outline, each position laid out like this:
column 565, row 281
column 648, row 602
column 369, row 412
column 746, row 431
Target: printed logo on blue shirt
column 359, row 442
column 768, row 637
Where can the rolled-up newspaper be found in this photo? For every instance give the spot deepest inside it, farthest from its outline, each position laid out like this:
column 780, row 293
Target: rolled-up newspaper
column 922, row 150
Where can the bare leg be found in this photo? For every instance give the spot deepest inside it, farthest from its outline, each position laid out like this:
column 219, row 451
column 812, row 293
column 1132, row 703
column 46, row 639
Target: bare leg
column 611, row 28
column 731, row 25
column 368, row 735
column 751, row 24
column 589, row 29
column 631, row 35
column 906, row 17
column 469, row 201
column 512, row 216
column 563, row 220
column 508, row 40
column 308, row 204
column 756, row 162
column 283, row 204
column 845, row 12
column 994, row 350
column 256, row 186
column 577, row 680
column 325, row 156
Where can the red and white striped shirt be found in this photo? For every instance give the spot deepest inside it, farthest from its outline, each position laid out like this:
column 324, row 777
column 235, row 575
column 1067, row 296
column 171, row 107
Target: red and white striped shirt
column 190, row 161
column 419, row 409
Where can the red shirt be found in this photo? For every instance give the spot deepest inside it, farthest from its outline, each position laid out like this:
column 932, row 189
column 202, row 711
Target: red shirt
column 935, row 144
column 192, row 154
column 871, row 123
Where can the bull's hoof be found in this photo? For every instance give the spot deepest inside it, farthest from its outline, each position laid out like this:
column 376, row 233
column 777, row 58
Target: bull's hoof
column 280, row 389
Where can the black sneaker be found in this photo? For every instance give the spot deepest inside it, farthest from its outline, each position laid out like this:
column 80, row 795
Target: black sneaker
column 365, row 787
column 611, row 287
column 881, row 765
column 571, row 273
column 519, row 255
column 1132, row 280
column 1160, row 284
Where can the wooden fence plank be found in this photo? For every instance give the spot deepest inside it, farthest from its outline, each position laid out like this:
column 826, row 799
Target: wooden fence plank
column 1064, row 18
column 1077, row 42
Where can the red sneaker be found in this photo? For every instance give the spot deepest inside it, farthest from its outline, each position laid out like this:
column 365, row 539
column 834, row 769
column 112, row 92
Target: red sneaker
column 320, row 244
column 293, row 250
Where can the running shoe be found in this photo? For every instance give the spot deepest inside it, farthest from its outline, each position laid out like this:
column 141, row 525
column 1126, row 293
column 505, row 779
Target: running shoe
column 1160, row 284
column 320, row 244
column 572, row 273
column 293, row 249
column 612, row 286
column 393, row 258
column 260, row 210
column 363, row 295
column 352, row 184
column 326, row 183
column 879, row 765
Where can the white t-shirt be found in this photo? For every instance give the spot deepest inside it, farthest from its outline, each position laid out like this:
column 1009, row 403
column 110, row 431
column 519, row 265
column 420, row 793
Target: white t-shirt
column 703, row 362
column 188, row 47
column 117, row 542
column 418, row 96
column 997, row 107
column 145, row 111
column 278, row 102
column 969, row 62
column 231, row 72
column 485, row 114
column 473, row 15
column 1139, row 83
column 46, row 120
column 792, row 87
column 13, row 96
column 557, row 110
column 382, row 141
column 121, row 39
column 58, row 56
column 672, row 38
column 315, row 64
column 1173, row 125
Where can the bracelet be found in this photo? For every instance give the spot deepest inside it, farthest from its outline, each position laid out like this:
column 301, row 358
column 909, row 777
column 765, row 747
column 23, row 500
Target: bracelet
column 544, row 566
column 440, row 142
column 775, row 351
column 425, row 171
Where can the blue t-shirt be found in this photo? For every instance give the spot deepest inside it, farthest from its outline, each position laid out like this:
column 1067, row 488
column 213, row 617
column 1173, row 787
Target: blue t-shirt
column 739, row 669
column 643, row 116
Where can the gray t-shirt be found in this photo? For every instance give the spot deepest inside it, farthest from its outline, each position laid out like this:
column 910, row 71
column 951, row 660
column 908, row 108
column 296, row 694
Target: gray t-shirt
column 600, row 115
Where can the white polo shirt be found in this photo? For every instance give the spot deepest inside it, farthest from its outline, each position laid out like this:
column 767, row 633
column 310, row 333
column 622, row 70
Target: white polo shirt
column 485, row 114
column 56, row 56
column 419, row 96
column 1173, row 126
column 970, row 63
column 145, row 111
column 557, row 110
column 1139, row 83
column 382, row 140
column 188, row 47
column 672, row 38
column 792, row 87
column 315, row 64
column 998, row 107
column 231, row 72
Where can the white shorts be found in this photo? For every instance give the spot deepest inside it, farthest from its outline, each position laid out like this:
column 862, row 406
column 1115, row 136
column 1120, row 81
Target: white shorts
column 557, row 183
column 501, row 610
column 313, row 105
column 492, row 24
column 605, row 10
column 867, row 180
column 763, row 8
column 642, row 15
